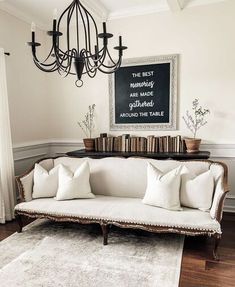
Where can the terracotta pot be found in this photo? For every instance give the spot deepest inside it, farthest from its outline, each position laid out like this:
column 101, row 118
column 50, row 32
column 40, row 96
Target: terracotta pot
column 192, row 145
column 89, row 144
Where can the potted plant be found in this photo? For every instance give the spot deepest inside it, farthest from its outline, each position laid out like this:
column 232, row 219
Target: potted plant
column 87, row 126
column 194, row 122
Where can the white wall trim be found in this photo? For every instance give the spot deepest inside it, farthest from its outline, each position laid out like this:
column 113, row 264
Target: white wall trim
column 229, row 208
column 217, row 150
column 231, row 197
column 220, row 150
column 32, row 156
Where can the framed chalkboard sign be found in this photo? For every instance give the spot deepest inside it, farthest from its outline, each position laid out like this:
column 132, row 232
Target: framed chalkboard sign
column 143, row 94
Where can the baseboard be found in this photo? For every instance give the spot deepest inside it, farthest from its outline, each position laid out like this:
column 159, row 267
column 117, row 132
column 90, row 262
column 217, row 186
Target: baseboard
column 26, row 154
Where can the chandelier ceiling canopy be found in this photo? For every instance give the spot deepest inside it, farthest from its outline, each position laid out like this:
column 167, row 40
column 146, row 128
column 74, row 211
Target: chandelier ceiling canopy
column 80, row 50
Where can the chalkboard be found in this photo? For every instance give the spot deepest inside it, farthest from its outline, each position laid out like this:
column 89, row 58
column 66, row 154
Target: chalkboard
column 143, row 94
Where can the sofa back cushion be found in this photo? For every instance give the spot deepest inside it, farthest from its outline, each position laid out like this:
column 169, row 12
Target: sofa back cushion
column 125, row 177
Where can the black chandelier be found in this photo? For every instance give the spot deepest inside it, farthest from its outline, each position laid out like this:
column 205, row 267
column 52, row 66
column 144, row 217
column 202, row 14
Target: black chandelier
column 88, row 57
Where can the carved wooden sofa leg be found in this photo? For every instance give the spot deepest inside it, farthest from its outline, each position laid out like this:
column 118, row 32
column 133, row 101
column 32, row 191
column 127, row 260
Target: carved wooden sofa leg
column 217, row 238
column 105, row 231
column 20, row 222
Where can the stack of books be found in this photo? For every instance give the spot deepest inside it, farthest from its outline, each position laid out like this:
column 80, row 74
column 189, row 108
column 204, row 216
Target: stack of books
column 151, row 144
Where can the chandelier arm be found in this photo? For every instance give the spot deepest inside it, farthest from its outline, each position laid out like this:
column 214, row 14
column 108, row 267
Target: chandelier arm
column 108, row 72
column 113, row 70
column 41, row 63
column 89, row 31
column 77, row 26
column 89, row 72
column 111, row 66
column 111, row 59
column 61, row 61
column 64, row 53
column 89, row 66
column 69, row 17
column 84, row 25
column 92, row 75
column 53, row 69
column 73, row 56
column 48, row 56
column 115, row 64
column 61, row 16
column 93, row 55
column 94, row 23
column 101, row 62
column 73, row 51
column 33, row 50
column 58, row 59
column 102, row 55
column 69, row 67
column 90, row 60
column 93, row 69
column 103, row 58
column 88, row 63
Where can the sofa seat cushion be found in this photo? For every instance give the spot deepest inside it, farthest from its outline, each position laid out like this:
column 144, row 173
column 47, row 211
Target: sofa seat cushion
column 125, row 210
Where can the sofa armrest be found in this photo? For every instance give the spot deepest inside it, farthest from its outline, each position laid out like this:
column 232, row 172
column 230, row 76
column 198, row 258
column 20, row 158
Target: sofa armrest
column 25, row 185
column 221, row 189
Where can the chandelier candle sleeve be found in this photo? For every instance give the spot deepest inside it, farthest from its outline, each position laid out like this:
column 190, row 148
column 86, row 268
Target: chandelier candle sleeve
column 55, row 13
column 90, row 53
column 33, row 27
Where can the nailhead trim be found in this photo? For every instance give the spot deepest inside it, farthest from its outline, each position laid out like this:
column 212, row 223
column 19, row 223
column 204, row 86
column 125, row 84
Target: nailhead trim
column 60, row 215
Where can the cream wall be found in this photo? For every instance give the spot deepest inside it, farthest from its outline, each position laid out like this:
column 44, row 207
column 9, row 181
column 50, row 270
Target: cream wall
column 45, row 106
column 202, row 36
column 28, row 95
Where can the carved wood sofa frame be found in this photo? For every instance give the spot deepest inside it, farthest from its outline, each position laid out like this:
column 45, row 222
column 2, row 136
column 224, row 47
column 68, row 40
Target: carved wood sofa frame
column 106, row 224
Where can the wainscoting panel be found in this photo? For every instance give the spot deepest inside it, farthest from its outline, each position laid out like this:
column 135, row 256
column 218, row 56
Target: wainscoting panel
column 26, row 154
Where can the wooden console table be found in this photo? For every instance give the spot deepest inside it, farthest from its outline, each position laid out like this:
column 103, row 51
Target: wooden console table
column 163, row 155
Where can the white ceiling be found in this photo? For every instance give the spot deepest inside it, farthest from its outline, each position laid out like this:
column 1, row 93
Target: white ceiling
column 40, row 11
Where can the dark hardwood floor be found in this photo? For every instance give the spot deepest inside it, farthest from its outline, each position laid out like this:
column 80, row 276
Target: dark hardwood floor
column 198, row 267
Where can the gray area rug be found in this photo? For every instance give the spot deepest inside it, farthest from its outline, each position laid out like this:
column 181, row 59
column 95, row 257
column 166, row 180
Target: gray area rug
column 49, row 254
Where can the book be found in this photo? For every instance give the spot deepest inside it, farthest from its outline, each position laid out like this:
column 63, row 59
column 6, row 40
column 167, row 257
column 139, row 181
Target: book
column 124, row 137
column 151, row 144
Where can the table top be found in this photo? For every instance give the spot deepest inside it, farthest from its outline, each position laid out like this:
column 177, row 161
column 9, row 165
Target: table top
column 162, row 155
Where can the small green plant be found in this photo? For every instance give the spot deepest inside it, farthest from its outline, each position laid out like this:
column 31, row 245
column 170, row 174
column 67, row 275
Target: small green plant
column 197, row 120
column 88, row 125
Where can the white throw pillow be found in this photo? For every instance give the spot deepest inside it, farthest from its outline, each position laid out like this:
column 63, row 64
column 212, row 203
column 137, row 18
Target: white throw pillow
column 196, row 191
column 74, row 185
column 45, row 184
column 163, row 189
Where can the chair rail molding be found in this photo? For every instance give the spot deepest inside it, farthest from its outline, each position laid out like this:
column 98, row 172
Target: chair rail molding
column 25, row 154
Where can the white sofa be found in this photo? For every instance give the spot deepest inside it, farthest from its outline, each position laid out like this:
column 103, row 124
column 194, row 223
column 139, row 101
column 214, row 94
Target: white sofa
column 119, row 185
